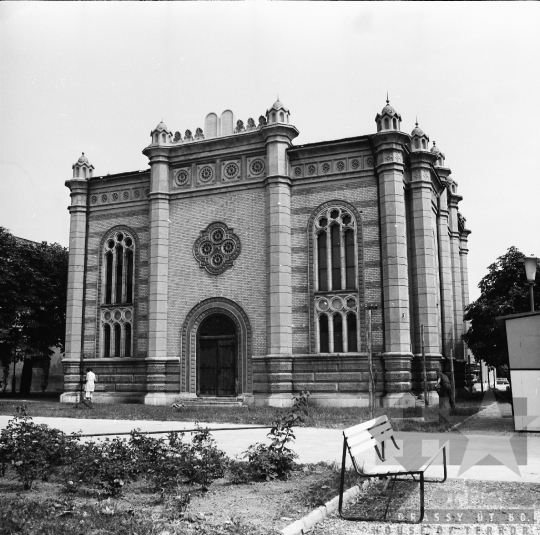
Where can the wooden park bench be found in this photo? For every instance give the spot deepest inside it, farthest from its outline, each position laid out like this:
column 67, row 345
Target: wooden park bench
column 374, row 434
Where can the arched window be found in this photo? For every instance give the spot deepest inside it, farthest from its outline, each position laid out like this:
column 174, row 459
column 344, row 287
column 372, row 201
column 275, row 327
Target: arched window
column 423, row 143
column 281, row 117
column 386, row 124
column 394, row 123
column 416, row 144
column 335, row 280
column 117, row 295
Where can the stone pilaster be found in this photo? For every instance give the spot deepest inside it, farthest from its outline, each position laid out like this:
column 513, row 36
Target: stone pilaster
column 425, row 291
column 78, row 211
column 463, row 252
column 278, row 243
column 158, row 274
column 453, row 200
column 445, row 269
column 389, row 149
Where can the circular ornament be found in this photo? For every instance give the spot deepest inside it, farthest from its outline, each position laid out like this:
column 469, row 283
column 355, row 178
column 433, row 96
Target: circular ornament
column 206, row 174
column 115, row 196
column 104, row 198
column 147, row 192
column 117, row 315
column 323, row 221
column 311, row 169
column 93, row 199
column 256, row 167
column 337, row 303
column 110, row 244
column 326, row 167
column 106, row 315
column 125, row 195
column 137, row 193
column 369, row 162
column 127, row 314
column 340, row 166
column 355, row 164
column 217, row 260
column 206, row 248
column 297, row 171
column 231, row 170
column 322, row 305
column 217, row 235
column 351, row 302
column 228, row 247
column 182, row 178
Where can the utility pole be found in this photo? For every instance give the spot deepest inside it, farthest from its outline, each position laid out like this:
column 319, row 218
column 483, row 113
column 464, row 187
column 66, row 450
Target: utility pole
column 369, row 308
column 426, row 400
column 452, row 374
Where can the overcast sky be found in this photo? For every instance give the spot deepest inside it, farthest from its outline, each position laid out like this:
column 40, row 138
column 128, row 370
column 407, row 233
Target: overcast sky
column 99, row 76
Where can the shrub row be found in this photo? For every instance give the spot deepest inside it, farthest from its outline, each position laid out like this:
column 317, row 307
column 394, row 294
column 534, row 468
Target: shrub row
column 30, row 452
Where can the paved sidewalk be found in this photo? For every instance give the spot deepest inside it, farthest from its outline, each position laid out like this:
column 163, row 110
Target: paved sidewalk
column 471, row 456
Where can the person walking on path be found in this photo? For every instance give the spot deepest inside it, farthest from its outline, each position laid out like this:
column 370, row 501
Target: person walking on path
column 444, row 389
column 90, row 384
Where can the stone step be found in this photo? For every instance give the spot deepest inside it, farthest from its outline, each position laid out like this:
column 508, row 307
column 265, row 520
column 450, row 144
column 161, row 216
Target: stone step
column 209, row 402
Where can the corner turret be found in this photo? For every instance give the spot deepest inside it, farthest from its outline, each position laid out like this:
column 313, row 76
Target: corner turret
column 388, row 119
column 82, row 169
column 161, row 135
column 278, row 113
column 419, row 139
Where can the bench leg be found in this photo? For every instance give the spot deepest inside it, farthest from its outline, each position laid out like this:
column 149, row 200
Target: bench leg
column 444, row 468
column 342, row 480
column 421, row 498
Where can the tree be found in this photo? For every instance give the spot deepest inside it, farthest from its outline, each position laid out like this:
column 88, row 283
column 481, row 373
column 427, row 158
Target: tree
column 505, row 290
column 33, row 286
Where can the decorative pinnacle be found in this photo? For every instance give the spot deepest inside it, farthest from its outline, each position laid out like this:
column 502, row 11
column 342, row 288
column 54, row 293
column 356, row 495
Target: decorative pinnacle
column 433, row 143
column 416, row 120
column 387, row 101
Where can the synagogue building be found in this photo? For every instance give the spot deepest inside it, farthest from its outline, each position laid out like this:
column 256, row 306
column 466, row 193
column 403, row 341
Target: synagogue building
column 243, row 267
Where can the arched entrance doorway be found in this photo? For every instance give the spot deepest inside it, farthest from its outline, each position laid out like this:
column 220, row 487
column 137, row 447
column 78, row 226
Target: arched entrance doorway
column 217, row 357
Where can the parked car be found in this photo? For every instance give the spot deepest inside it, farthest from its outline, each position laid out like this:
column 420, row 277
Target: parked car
column 502, row 384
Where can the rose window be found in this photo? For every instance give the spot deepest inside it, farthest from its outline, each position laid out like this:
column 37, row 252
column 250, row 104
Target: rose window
column 257, row 167
column 217, row 248
column 231, row 170
column 182, row 178
column 355, row 164
column 206, row 174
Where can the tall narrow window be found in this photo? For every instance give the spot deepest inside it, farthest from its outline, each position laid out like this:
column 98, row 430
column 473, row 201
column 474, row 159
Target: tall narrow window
column 336, row 257
column 338, row 333
column 117, row 296
column 350, row 269
column 351, row 333
column 323, row 334
column 108, row 276
column 117, row 339
column 386, row 124
column 323, row 262
column 335, row 299
column 106, row 341
column 119, row 273
column 127, row 341
column 129, row 281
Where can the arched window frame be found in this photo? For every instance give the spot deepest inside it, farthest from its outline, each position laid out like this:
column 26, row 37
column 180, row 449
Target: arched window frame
column 118, row 297
column 331, row 301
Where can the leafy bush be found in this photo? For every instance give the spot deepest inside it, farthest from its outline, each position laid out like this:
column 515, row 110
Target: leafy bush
column 32, row 451
column 276, row 461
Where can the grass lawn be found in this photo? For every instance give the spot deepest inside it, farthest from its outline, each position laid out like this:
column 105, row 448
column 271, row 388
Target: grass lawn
column 250, row 509
column 321, row 417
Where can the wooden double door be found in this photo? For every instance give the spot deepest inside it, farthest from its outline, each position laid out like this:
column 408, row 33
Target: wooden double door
column 217, row 357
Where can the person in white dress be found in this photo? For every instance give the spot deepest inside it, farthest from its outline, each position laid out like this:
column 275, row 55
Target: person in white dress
column 90, row 384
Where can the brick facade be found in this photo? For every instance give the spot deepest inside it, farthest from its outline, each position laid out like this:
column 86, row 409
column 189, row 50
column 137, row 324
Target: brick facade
column 269, row 198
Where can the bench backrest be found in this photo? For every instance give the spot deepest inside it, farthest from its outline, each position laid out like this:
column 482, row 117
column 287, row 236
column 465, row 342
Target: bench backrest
column 367, row 435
